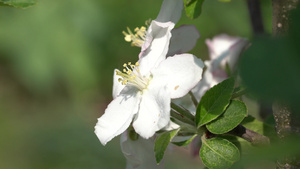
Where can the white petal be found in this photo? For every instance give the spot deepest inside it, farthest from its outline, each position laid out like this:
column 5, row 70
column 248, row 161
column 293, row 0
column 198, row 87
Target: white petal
column 154, row 112
column 226, row 49
column 171, row 126
column 160, row 33
column 139, row 153
column 117, row 117
column 117, row 86
column 219, row 44
column 235, row 52
column 180, row 72
column 168, row 16
column 184, row 38
column 185, row 102
column 170, row 11
column 209, row 80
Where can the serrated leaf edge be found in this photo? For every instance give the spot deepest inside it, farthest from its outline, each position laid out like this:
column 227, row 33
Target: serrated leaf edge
column 224, row 112
column 204, row 141
column 199, row 123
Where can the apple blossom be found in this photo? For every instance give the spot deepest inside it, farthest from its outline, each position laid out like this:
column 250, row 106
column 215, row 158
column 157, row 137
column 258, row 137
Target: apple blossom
column 183, row 38
column 224, row 51
column 145, row 92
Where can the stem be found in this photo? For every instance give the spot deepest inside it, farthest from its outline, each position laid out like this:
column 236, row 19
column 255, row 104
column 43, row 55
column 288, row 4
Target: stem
column 184, row 112
column 254, row 138
column 239, row 93
column 181, row 118
column 194, row 99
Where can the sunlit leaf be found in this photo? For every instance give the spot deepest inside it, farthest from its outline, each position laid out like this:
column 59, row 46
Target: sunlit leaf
column 214, row 102
column 193, row 8
column 232, row 117
column 218, row 153
column 258, row 126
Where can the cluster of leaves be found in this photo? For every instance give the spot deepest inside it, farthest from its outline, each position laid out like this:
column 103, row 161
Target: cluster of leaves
column 217, row 114
column 17, row 3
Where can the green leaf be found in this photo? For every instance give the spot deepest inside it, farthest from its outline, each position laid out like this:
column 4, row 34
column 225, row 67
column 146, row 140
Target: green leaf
column 161, row 143
column 193, row 8
column 186, row 142
column 232, row 117
column 218, row 153
column 214, row 102
column 262, row 128
column 17, row 3
column 276, row 72
column 243, row 145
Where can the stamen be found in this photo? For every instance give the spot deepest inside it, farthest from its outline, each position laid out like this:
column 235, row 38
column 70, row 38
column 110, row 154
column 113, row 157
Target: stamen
column 148, row 22
column 131, row 76
column 137, row 39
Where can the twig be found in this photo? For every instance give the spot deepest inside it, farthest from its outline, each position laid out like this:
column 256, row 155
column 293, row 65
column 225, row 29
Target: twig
column 181, row 118
column 193, row 99
column 184, row 112
column 239, row 93
column 254, row 138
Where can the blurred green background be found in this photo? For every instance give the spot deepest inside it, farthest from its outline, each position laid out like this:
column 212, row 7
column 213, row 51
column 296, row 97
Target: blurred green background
column 56, row 65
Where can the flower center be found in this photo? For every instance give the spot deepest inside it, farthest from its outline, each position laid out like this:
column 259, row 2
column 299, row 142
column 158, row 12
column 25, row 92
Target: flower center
column 131, row 76
column 138, row 37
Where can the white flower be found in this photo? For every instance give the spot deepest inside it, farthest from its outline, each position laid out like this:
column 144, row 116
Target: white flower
column 145, row 94
column 183, row 39
column 224, row 51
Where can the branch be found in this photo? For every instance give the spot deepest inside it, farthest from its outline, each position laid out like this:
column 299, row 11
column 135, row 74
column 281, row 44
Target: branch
column 255, row 16
column 287, row 121
column 281, row 15
column 254, row 138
